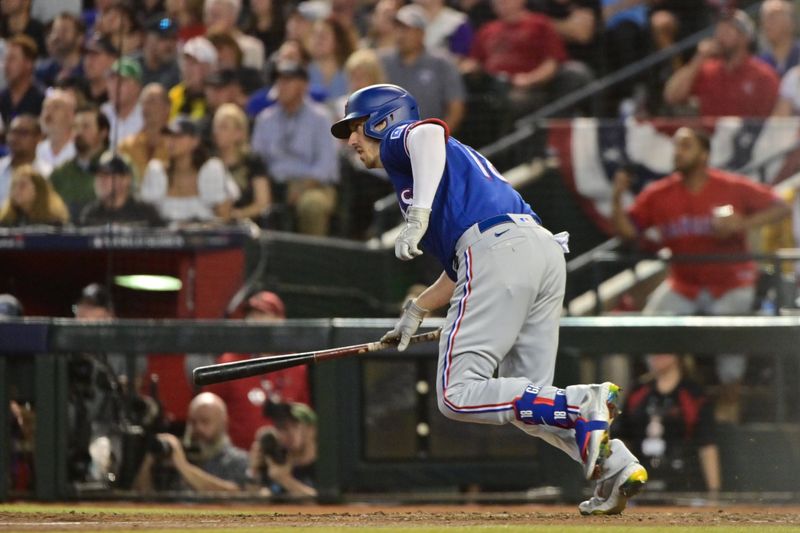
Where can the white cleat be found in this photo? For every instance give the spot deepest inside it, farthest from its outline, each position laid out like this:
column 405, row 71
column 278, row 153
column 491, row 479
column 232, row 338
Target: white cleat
column 611, row 495
column 591, row 431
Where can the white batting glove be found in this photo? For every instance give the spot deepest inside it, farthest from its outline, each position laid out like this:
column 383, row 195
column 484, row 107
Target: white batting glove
column 406, row 246
column 407, row 325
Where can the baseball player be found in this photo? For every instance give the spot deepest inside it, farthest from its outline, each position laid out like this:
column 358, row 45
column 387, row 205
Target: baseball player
column 504, row 277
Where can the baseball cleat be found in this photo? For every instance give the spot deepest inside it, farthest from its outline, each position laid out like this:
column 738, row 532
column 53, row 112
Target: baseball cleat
column 591, row 429
column 611, row 495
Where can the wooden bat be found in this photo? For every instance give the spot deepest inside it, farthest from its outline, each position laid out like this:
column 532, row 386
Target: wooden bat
column 206, row 375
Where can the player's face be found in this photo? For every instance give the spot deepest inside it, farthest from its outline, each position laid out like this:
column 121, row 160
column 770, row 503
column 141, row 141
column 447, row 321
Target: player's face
column 689, row 153
column 367, row 148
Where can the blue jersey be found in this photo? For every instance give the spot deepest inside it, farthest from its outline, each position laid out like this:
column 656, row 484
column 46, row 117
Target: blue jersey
column 471, row 190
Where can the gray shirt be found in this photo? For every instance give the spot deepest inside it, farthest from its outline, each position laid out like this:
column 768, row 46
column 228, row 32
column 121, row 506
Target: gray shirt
column 433, row 79
column 298, row 145
column 230, row 464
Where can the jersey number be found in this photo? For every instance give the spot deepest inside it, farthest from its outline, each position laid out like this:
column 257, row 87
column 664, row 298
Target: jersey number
column 485, row 165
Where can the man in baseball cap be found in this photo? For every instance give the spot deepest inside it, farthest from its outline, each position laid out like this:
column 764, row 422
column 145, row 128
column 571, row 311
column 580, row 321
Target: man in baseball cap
column 157, row 56
column 199, row 59
column 124, row 84
column 265, row 306
column 99, row 54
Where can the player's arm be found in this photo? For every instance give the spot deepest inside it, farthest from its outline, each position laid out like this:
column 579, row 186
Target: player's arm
column 679, row 86
column 438, row 294
column 426, row 150
column 623, row 225
column 414, row 311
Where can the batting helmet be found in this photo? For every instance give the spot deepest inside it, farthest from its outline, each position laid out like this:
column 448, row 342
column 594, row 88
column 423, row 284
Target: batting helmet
column 377, row 103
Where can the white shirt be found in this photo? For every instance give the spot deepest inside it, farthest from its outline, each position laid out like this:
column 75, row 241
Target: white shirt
column 130, row 125
column 215, row 185
column 790, row 88
column 45, row 154
column 6, row 170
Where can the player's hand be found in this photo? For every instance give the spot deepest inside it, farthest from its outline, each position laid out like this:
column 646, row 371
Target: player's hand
column 708, row 48
column 406, row 326
column 728, row 225
column 622, row 182
column 406, row 246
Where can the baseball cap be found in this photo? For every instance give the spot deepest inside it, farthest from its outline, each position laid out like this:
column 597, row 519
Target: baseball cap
column 9, row 306
column 222, row 77
column 111, row 163
column 266, row 302
column 101, row 44
column 96, row 295
column 290, row 69
column 412, row 16
column 201, row 49
column 127, row 67
column 742, row 22
column 182, row 126
column 163, row 26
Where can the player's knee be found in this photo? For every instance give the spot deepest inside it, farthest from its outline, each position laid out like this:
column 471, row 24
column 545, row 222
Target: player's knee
column 449, row 410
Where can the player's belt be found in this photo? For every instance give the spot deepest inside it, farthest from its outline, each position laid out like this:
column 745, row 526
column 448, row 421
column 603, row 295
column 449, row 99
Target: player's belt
column 493, row 221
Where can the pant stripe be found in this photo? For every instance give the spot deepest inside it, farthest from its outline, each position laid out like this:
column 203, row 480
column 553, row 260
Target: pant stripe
column 462, row 307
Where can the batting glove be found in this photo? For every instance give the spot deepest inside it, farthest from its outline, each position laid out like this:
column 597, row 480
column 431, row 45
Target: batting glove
column 406, row 247
column 407, row 325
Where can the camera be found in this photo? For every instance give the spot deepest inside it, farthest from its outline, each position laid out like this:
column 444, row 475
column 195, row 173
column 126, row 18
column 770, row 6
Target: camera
column 159, row 448
column 273, row 449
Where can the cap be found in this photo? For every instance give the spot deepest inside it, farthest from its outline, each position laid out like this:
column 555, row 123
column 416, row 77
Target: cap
column 221, row 78
column 163, row 26
column 111, row 163
column 266, row 302
column 290, row 69
column 281, row 412
column 96, row 295
column 742, row 22
column 182, row 126
column 99, row 43
column 9, row 306
column 412, row 16
column 314, row 10
column 127, row 67
column 201, row 49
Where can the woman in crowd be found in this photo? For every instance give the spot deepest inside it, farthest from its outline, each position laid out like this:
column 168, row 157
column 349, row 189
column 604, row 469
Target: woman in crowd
column 330, row 46
column 192, row 187
column 32, row 201
column 232, row 143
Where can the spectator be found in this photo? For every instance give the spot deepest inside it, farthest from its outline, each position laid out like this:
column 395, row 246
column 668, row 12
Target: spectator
column 780, row 48
column 32, row 201
column 625, row 32
column 16, row 20
column 74, row 180
column 222, row 16
column 524, row 48
column 114, row 203
column 123, row 110
column 150, row 142
column 266, row 22
column 57, row 120
column 577, row 22
column 302, row 18
column 223, row 87
column 700, row 210
column 291, row 139
column 22, row 94
column 229, row 57
column 724, row 77
column 673, row 20
column 433, row 77
column 90, row 17
column 118, row 24
column 448, row 30
column 232, row 143
column 789, row 94
column 246, row 397
column 23, row 136
column 216, row 464
column 157, row 56
column 64, row 50
column 381, row 32
column 99, row 56
column 187, row 97
column 191, row 186
column 188, row 15
column 330, row 45
column 669, row 421
column 282, row 457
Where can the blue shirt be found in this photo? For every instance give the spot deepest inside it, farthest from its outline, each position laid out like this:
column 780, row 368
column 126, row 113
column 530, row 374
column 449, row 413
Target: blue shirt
column 471, row 190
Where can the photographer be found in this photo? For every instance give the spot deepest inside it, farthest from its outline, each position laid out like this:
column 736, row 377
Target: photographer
column 205, row 461
column 282, row 457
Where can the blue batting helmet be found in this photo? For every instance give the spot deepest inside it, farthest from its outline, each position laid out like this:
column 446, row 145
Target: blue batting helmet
column 377, row 103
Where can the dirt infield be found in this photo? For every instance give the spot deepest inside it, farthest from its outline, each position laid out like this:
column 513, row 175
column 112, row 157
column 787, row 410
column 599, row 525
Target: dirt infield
column 140, row 517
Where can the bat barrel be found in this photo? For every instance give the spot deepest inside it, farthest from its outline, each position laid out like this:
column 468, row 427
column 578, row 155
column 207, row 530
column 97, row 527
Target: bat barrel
column 207, row 375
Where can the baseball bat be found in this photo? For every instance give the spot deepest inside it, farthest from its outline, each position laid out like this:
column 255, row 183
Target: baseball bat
column 207, row 375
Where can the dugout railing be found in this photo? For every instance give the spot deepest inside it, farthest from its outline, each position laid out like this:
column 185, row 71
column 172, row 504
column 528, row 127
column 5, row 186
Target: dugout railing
column 379, row 429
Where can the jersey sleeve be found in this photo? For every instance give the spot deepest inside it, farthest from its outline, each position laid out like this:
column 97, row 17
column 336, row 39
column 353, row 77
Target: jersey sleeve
column 756, row 197
column 641, row 211
column 394, row 147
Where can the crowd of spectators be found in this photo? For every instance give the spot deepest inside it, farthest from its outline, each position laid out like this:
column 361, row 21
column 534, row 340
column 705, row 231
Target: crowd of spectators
column 169, row 85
